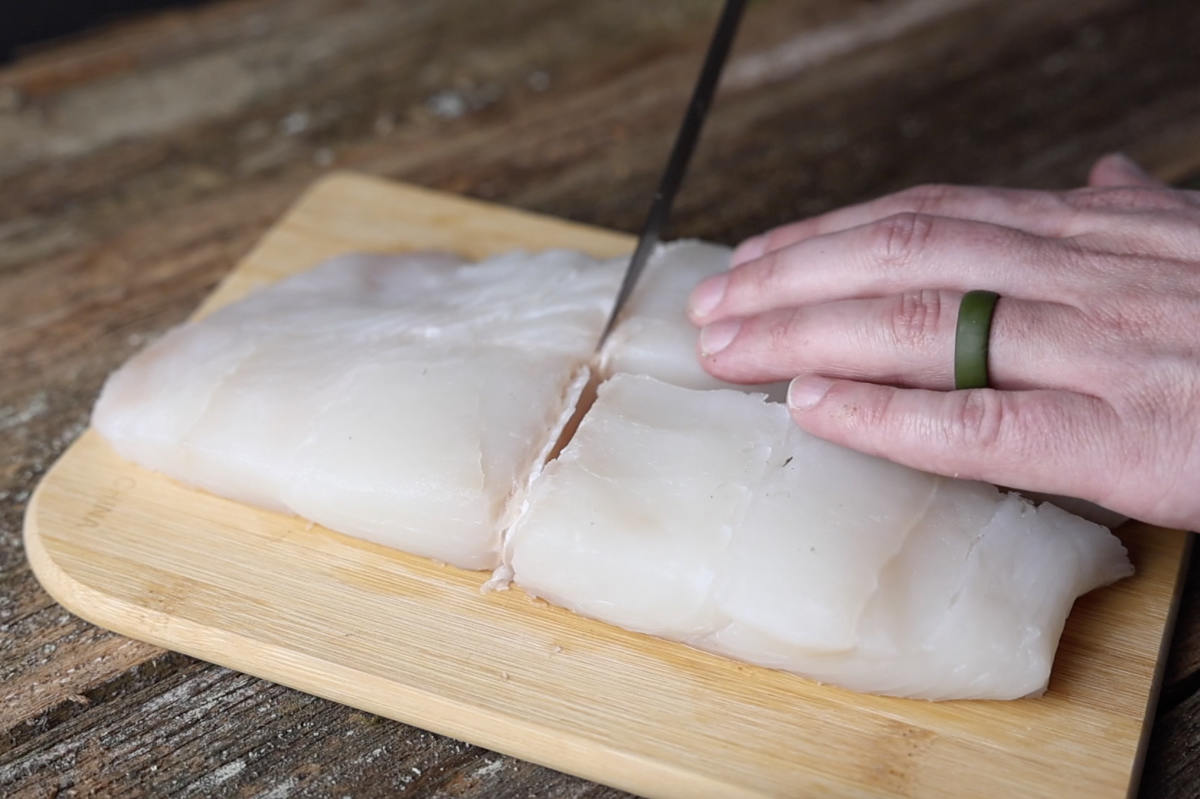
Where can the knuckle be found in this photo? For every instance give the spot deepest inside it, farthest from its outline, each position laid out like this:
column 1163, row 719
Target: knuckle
column 915, row 320
column 978, row 420
column 744, row 283
column 930, row 198
column 783, row 330
column 777, row 238
column 1085, row 199
column 900, row 237
column 1072, row 260
column 877, row 414
column 1096, row 198
column 1060, row 217
column 1119, row 325
column 1127, row 198
column 757, row 278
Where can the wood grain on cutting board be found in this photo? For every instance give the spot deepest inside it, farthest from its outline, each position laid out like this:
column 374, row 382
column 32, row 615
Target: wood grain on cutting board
column 404, row 637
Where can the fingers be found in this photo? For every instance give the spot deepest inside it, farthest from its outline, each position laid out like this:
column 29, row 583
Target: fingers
column 1023, row 439
column 1039, row 212
column 901, row 253
column 1118, row 169
column 1126, row 210
column 1033, row 211
column 904, row 340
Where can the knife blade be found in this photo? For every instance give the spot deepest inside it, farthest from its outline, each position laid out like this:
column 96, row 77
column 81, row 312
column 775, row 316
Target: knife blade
column 681, row 153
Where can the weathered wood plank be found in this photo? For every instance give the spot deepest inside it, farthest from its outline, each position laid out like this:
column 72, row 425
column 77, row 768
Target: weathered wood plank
column 174, row 726
column 179, row 138
column 1173, row 758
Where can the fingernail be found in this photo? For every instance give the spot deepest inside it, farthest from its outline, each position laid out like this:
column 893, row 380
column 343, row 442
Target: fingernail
column 707, row 295
column 749, row 249
column 805, row 392
column 718, row 335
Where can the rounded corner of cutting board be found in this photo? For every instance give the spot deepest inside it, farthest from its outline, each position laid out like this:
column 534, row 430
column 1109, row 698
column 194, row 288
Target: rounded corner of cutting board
column 75, row 595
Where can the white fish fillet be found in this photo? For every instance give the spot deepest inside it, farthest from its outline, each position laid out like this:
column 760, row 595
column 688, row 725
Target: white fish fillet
column 654, row 336
column 403, row 399
column 707, row 517
column 412, row 400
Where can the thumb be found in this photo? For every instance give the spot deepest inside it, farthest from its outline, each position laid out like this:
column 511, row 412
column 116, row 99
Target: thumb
column 1118, row 169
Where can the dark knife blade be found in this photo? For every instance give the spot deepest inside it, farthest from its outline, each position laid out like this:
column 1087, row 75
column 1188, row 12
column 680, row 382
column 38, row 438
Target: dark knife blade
column 681, row 153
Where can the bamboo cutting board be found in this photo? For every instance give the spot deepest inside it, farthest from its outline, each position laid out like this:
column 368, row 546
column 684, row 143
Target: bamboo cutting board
column 401, row 636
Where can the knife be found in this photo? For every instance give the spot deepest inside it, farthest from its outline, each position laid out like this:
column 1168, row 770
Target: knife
column 681, row 153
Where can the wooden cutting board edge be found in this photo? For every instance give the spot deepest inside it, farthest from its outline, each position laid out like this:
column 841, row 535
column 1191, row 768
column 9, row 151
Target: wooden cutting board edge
column 1164, row 648
column 500, row 732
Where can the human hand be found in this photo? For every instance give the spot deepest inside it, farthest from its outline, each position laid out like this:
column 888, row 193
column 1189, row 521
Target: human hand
column 1094, row 357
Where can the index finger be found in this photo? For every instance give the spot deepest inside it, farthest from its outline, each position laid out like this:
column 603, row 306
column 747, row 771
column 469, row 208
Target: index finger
column 1039, row 212
column 900, row 253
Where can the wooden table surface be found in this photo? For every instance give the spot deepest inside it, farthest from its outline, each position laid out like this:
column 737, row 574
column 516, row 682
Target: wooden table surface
column 140, row 161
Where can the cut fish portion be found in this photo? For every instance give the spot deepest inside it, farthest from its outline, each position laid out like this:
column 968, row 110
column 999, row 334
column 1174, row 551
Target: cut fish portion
column 654, row 336
column 408, row 400
column 707, row 517
column 855, row 512
column 632, row 533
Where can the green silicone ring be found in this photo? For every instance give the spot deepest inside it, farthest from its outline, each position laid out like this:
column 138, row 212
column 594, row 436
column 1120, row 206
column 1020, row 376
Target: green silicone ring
column 971, row 339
